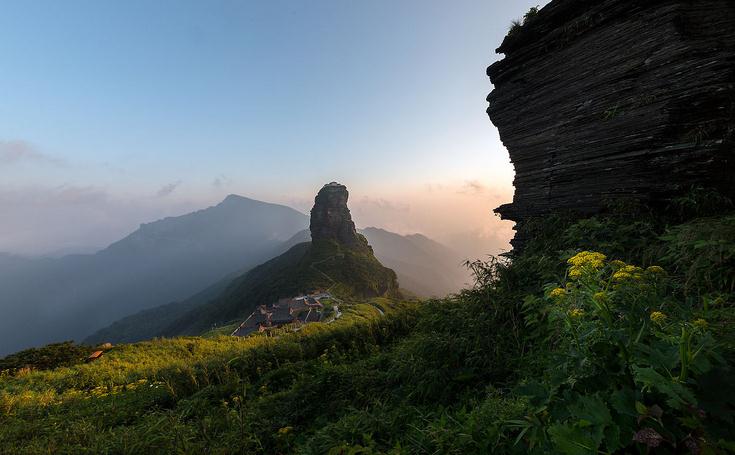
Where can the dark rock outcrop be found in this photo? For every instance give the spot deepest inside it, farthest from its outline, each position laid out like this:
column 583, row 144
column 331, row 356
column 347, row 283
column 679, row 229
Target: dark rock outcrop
column 634, row 99
column 330, row 217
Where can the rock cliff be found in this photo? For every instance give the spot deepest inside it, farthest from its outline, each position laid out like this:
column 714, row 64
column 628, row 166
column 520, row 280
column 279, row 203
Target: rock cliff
column 330, row 217
column 598, row 101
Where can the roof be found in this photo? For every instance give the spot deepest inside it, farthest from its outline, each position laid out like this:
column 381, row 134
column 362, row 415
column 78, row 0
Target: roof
column 251, row 324
column 281, row 316
column 95, row 355
column 310, row 316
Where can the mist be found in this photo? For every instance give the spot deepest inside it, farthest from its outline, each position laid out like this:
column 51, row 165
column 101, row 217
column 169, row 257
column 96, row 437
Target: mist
column 53, row 221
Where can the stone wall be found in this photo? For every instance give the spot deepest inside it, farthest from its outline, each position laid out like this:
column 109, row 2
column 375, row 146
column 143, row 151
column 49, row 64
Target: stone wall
column 598, row 101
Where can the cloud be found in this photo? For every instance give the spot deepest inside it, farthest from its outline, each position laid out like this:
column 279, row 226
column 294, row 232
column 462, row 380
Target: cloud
column 221, row 181
column 38, row 219
column 14, row 152
column 472, row 187
column 431, row 187
column 63, row 195
column 168, row 189
column 383, row 204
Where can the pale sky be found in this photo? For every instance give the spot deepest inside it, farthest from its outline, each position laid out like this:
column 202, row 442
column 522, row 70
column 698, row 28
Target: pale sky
column 117, row 113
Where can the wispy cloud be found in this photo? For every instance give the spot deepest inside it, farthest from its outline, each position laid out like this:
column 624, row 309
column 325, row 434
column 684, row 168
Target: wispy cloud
column 14, row 152
column 472, row 187
column 431, row 187
column 383, row 204
column 221, row 181
column 168, row 189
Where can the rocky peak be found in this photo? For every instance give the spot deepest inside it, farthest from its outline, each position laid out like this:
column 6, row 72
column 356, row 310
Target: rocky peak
column 330, row 217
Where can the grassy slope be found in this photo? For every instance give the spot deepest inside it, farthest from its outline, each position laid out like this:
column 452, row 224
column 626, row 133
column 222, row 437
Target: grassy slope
column 305, row 267
column 438, row 378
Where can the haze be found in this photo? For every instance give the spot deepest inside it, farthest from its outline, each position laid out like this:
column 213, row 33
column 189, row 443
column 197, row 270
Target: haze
column 119, row 113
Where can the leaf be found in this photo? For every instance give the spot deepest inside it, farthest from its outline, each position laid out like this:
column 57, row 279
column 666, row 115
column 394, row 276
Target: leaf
column 641, row 408
column 624, row 403
column 536, row 392
column 591, row 410
column 678, row 395
column 612, row 439
column 571, row 440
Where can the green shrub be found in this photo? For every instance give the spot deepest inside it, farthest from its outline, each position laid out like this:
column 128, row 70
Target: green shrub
column 47, row 357
column 626, row 367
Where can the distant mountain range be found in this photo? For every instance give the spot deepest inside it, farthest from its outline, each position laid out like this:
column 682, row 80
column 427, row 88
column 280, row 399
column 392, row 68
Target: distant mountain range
column 144, row 282
column 46, row 300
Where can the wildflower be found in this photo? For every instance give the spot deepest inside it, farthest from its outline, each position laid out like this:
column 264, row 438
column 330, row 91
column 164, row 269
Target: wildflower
column 575, row 272
column 558, row 293
column 621, row 276
column 588, row 259
column 285, row 430
column 700, row 324
column 576, row 313
column 600, row 297
column 629, row 272
column 656, row 270
column 658, row 317
column 618, row 264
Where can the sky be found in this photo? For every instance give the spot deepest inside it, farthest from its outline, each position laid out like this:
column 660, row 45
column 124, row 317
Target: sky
column 117, row 113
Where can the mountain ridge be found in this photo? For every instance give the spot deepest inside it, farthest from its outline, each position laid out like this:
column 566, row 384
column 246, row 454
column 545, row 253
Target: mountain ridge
column 56, row 299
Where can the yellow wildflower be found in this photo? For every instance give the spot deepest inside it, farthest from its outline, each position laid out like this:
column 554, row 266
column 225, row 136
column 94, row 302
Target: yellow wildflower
column 635, row 272
column 700, row 323
column 656, row 270
column 558, row 293
column 658, row 317
column 285, row 430
column 575, row 272
column 588, row 259
column 576, row 313
column 600, row 297
column 630, row 268
column 618, row 264
column 621, row 276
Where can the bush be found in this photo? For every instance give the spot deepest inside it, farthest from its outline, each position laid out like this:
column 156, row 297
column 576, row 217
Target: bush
column 45, row 358
column 626, row 367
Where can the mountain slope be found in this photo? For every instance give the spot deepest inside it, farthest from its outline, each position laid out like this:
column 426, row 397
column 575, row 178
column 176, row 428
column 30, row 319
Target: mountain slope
column 168, row 260
column 152, row 322
column 337, row 258
column 423, row 266
column 345, row 271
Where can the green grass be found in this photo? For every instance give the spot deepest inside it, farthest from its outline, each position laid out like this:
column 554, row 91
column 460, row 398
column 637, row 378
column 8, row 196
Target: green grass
column 503, row 367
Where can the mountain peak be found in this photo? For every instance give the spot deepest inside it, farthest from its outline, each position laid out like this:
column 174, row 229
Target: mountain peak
column 330, row 217
column 235, row 198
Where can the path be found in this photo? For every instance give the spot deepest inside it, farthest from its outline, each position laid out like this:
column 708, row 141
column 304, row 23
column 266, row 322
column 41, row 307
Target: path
column 380, row 310
column 334, row 282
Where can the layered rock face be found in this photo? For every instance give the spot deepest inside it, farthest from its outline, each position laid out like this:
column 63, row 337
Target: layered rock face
column 598, row 101
column 330, row 217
